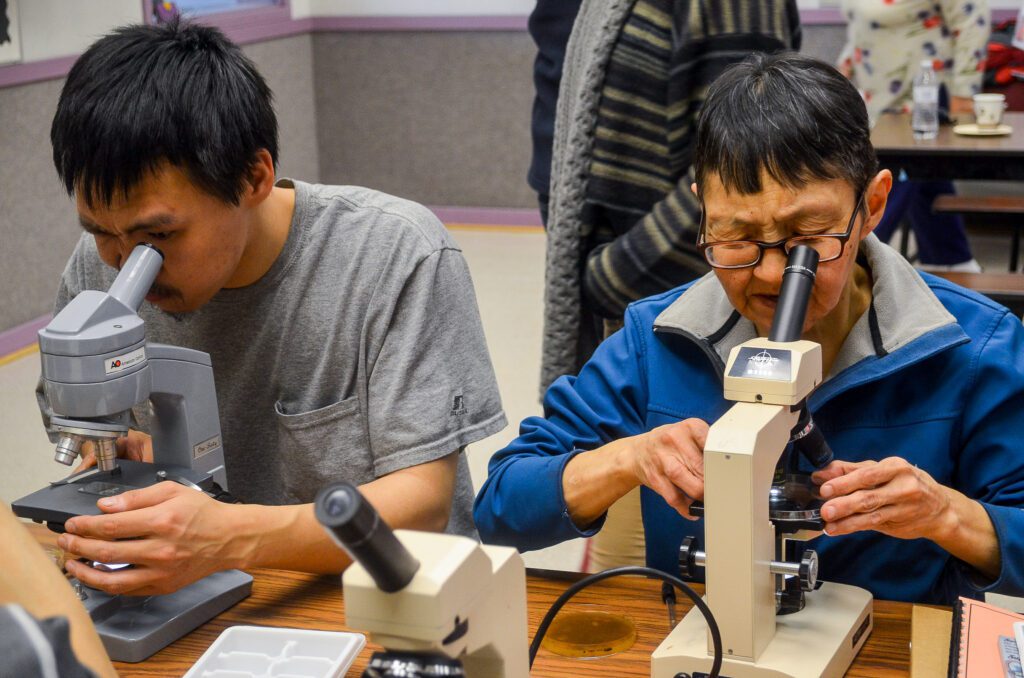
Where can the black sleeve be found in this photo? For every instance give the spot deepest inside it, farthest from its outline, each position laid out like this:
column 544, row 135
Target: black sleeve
column 30, row 647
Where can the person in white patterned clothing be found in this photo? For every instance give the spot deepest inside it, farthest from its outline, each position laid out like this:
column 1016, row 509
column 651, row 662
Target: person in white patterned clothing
column 886, row 42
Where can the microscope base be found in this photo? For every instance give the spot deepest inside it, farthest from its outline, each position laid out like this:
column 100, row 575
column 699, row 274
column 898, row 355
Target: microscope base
column 133, row 628
column 820, row 640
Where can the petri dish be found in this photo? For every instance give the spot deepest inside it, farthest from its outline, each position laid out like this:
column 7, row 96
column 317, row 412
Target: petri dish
column 589, row 633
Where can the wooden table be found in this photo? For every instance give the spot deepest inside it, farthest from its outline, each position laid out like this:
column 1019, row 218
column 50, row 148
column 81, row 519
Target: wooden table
column 950, row 156
column 291, row 599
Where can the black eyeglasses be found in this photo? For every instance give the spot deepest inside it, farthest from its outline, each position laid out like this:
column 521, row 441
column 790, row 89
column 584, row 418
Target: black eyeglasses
column 745, row 253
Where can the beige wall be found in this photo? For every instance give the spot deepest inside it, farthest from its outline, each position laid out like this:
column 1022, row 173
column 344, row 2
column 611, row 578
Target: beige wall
column 441, row 118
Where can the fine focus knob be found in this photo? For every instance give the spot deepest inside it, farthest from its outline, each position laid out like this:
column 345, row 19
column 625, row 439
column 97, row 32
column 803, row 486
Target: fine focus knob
column 809, row 570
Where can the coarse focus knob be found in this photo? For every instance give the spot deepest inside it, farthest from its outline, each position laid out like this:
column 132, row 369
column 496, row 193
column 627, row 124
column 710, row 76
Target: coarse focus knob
column 688, row 559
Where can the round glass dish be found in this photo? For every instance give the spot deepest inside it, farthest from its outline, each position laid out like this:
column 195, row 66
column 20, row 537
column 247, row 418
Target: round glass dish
column 589, row 633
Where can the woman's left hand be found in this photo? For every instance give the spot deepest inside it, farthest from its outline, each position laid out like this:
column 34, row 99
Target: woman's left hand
column 889, row 496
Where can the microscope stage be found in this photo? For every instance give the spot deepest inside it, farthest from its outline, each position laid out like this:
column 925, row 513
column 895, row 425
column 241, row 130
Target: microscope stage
column 64, row 500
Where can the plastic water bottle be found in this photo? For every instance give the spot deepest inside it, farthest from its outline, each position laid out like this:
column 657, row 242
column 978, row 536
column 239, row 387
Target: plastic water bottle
column 925, row 117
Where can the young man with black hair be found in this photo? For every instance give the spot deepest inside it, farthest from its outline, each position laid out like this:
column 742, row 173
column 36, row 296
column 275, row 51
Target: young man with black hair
column 923, row 395
column 341, row 322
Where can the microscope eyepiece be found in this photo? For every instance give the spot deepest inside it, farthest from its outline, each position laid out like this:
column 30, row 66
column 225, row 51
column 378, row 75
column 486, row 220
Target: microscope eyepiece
column 338, row 504
column 137, row 275
column 357, row 527
column 797, row 283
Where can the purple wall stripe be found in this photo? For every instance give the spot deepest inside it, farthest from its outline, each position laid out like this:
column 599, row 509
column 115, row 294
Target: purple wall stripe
column 21, row 336
column 490, row 216
column 497, row 22
column 243, row 33
column 34, row 71
column 811, row 17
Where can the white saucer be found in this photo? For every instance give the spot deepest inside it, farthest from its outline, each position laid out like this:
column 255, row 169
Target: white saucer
column 972, row 130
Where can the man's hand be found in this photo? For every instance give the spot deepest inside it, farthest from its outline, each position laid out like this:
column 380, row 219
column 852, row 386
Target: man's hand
column 889, row 496
column 136, row 446
column 670, row 461
column 173, row 535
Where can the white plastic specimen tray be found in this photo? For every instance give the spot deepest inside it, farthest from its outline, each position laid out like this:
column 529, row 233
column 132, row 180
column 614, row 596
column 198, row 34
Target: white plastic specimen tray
column 266, row 652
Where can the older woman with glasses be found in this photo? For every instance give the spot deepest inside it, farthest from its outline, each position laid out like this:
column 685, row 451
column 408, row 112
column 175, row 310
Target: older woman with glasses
column 923, row 396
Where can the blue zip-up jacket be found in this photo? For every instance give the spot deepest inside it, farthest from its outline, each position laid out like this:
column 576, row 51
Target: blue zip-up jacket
column 932, row 373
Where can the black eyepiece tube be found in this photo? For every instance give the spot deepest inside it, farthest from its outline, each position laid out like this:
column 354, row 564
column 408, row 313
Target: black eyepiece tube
column 356, row 526
column 797, row 283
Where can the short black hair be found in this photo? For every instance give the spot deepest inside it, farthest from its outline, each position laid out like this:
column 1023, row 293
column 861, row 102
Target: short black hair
column 180, row 93
column 794, row 117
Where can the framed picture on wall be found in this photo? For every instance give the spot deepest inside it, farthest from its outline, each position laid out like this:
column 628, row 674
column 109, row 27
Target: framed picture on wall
column 10, row 42
column 160, row 11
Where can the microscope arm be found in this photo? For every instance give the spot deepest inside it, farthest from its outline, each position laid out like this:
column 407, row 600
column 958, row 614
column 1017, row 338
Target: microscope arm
column 185, row 430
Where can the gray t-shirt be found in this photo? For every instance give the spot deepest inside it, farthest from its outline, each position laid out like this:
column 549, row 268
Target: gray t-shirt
column 33, row 647
column 359, row 353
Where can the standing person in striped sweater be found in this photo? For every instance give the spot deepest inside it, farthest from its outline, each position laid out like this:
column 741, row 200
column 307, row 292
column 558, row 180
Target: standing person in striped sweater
column 623, row 223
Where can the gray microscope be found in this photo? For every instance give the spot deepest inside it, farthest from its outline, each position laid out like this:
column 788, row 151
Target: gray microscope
column 97, row 366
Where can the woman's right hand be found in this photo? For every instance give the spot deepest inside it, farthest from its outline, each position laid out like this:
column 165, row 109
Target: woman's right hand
column 670, row 461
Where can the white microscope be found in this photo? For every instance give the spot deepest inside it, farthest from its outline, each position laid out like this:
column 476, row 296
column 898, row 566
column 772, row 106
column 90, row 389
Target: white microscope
column 446, row 606
column 766, row 630
column 441, row 605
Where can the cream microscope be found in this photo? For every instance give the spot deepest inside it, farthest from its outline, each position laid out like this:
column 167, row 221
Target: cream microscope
column 748, row 519
column 440, row 605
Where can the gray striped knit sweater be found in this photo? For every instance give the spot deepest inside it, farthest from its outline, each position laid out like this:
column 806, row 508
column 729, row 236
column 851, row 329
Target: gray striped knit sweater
column 622, row 221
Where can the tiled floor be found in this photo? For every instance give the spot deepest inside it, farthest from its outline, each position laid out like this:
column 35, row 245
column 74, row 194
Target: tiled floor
column 508, row 271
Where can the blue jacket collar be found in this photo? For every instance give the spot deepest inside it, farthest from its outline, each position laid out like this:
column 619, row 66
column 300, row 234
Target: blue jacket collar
column 905, row 324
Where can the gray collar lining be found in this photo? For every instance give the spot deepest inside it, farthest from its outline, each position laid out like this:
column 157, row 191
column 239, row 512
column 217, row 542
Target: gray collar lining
column 903, row 309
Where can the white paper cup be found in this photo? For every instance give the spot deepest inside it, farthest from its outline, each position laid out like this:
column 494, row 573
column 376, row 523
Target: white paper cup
column 988, row 109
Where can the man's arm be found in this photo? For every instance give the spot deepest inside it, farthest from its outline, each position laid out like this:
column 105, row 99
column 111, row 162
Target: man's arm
column 290, row 537
column 174, row 535
column 658, row 253
column 33, row 582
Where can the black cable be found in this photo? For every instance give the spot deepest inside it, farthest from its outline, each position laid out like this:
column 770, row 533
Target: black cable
column 668, row 593
column 668, row 596
column 649, row 572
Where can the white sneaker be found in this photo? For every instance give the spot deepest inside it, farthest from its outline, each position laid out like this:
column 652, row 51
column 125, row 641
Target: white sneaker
column 969, row 266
